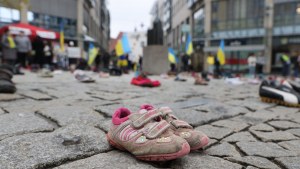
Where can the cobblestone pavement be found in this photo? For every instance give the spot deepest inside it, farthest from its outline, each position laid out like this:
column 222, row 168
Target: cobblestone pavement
column 61, row 123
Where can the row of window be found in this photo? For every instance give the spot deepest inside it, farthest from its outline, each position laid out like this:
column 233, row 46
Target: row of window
column 8, row 15
column 246, row 14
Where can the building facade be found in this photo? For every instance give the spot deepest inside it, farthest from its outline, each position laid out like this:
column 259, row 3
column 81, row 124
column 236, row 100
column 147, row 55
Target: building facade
column 264, row 27
column 81, row 18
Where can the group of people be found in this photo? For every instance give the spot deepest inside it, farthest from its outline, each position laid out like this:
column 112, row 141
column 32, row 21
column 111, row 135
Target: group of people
column 256, row 64
column 20, row 51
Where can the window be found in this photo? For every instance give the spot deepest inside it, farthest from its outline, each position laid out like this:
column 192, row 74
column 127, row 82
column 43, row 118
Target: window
column 237, row 14
column 9, row 15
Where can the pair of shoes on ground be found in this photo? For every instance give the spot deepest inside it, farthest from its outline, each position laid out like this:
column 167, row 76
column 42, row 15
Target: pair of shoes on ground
column 153, row 134
column 45, row 73
column 143, row 81
column 286, row 93
column 203, row 80
column 6, row 75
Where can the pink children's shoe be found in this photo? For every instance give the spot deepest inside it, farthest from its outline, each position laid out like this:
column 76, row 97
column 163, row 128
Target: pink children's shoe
column 196, row 139
column 146, row 135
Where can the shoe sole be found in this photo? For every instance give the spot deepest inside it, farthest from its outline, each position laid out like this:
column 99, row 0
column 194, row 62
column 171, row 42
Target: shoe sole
column 280, row 102
column 203, row 142
column 185, row 149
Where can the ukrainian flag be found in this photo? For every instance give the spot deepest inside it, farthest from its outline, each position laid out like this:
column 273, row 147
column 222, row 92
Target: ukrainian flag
column 221, row 53
column 123, row 46
column 171, row 56
column 93, row 52
column 189, row 45
column 62, row 36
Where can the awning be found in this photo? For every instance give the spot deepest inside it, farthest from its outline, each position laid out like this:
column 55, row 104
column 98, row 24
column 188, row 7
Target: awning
column 30, row 30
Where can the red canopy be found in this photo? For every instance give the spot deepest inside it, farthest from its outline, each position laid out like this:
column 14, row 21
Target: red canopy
column 30, row 30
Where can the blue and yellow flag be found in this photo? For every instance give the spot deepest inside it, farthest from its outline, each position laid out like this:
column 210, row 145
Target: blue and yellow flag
column 171, row 56
column 189, row 45
column 123, row 46
column 221, row 53
column 62, row 36
column 93, row 52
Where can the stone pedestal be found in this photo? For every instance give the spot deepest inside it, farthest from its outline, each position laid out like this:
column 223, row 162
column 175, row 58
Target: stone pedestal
column 155, row 59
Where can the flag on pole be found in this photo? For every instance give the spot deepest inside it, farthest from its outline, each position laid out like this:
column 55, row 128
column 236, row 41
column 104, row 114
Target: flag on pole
column 123, row 46
column 171, row 56
column 189, row 45
column 221, row 53
column 62, row 36
column 93, row 52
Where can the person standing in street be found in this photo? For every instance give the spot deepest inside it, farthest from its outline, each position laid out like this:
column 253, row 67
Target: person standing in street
column 217, row 65
column 38, row 47
column 251, row 64
column 24, row 47
column 210, row 61
column 286, row 62
column 9, row 51
column 260, row 64
column 296, row 62
column 48, row 53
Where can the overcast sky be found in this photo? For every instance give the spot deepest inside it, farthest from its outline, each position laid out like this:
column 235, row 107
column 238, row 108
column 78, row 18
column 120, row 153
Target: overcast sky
column 126, row 15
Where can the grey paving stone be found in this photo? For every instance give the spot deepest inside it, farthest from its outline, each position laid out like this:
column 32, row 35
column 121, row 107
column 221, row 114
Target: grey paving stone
column 193, row 102
column 223, row 150
column 233, row 125
column 259, row 162
column 253, row 104
column 10, row 97
column 262, row 127
column 284, row 124
column 241, row 136
column 109, row 110
column 65, row 115
column 210, row 143
column 35, row 95
column 2, row 111
column 262, row 149
column 293, row 117
column 293, row 145
column 283, row 109
column 112, row 159
column 274, row 135
column 250, row 167
column 257, row 117
column 21, row 123
column 289, row 162
column 104, row 124
column 203, row 162
column 42, row 150
column 215, row 132
column 207, row 113
column 296, row 132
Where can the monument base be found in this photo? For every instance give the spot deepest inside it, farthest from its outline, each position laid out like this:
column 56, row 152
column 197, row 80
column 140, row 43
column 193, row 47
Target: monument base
column 155, row 59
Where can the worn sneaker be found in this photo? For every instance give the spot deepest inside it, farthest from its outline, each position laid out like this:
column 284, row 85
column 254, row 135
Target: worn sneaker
column 146, row 135
column 196, row 139
column 279, row 94
column 7, row 86
column 293, row 85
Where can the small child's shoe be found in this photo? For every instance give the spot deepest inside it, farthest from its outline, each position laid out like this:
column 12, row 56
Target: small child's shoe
column 196, row 139
column 146, row 135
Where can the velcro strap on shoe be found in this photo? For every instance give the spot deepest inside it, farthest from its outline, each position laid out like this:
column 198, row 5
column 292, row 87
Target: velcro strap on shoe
column 145, row 118
column 165, row 110
column 157, row 129
column 180, row 124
